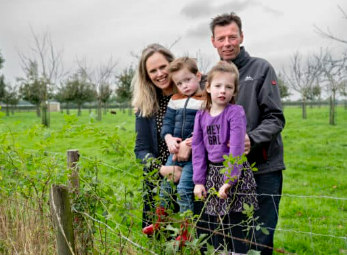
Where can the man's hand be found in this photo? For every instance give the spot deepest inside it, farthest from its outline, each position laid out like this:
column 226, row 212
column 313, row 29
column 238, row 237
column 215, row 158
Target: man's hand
column 247, row 145
column 200, row 191
column 184, row 151
column 172, row 143
column 223, row 191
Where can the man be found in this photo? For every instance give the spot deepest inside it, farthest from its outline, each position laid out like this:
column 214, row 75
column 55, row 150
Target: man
column 259, row 95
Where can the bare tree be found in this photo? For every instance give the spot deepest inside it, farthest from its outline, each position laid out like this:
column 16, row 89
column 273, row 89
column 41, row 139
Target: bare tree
column 282, row 85
column 302, row 76
column 204, row 62
column 343, row 91
column 11, row 98
column 102, row 77
column 328, row 33
column 334, row 73
column 49, row 65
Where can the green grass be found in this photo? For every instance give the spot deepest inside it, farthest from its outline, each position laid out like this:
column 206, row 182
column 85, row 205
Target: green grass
column 315, row 158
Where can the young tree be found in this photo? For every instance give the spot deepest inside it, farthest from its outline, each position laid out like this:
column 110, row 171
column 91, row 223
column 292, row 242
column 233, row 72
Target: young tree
column 11, row 98
column 315, row 93
column 49, row 69
column 204, row 62
column 343, row 91
column 302, row 76
column 284, row 89
column 334, row 73
column 102, row 79
column 123, row 85
column 2, row 79
column 31, row 87
column 79, row 91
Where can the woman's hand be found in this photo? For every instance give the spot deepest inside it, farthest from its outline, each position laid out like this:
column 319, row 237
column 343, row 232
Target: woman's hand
column 223, row 191
column 200, row 191
column 184, row 151
column 172, row 143
column 171, row 172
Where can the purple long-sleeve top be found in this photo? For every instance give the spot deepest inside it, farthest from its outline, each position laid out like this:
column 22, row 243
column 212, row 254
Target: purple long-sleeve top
column 215, row 136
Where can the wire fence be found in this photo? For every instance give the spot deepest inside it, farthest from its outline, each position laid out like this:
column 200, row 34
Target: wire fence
column 306, row 223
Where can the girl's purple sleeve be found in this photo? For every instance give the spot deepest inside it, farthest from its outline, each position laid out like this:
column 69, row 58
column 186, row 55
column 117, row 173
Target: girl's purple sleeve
column 236, row 142
column 199, row 156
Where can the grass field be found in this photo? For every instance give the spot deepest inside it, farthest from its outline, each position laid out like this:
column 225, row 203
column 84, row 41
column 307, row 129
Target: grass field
column 313, row 209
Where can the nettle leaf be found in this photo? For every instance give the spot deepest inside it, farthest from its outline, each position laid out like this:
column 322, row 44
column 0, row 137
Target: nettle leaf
column 173, row 229
column 253, row 252
column 265, row 231
column 210, row 249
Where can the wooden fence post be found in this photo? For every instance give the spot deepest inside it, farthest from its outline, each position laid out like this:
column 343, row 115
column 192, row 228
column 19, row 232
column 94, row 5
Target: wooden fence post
column 83, row 237
column 72, row 159
column 62, row 219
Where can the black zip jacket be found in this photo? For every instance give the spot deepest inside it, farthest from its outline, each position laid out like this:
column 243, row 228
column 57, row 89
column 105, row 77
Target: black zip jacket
column 259, row 95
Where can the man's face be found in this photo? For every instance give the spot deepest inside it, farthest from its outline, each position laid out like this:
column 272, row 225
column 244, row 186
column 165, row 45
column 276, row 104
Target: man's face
column 227, row 40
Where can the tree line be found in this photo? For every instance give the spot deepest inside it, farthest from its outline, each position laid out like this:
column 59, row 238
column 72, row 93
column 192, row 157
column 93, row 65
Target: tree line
column 45, row 79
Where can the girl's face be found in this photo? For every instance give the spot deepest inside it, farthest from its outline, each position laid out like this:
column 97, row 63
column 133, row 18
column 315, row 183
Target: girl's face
column 157, row 70
column 221, row 89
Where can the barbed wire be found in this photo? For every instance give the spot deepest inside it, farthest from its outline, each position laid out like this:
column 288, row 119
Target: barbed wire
column 261, row 194
column 296, row 196
column 111, row 229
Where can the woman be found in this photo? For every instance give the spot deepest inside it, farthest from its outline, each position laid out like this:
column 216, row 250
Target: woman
column 152, row 90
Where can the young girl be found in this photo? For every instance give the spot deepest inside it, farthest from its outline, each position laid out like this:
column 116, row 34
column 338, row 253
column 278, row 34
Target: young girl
column 219, row 130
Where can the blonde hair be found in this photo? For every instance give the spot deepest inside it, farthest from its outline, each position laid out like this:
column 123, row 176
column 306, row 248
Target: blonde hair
column 145, row 94
column 220, row 67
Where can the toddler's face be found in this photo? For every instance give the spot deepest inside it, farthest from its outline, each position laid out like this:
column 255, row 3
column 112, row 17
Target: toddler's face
column 186, row 81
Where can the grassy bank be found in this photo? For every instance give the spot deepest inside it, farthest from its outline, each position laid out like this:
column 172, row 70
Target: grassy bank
column 312, row 218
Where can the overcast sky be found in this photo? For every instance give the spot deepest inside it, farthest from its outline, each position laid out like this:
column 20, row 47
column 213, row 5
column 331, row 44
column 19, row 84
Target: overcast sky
column 98, row 29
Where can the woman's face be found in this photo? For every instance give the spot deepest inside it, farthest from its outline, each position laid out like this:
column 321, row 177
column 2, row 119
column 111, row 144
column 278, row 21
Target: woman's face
column 157, row 70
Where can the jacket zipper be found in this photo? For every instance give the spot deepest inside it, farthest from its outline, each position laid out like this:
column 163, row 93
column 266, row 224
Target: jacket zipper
column 184, row 116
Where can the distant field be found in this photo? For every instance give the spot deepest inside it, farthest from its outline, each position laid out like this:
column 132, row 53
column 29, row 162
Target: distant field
column 312, row 218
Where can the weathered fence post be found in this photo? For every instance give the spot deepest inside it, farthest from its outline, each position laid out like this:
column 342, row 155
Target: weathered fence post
column 62, row 219
column 72, row 159
column 83, row 237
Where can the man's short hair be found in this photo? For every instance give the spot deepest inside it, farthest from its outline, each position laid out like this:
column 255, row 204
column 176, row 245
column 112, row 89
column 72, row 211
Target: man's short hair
column 224, row 20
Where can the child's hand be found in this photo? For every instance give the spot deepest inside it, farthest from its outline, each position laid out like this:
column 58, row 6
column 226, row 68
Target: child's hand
column 189, row 141
column 200, row 191
column 223, row 191
column 171, row 172
column 172, row 143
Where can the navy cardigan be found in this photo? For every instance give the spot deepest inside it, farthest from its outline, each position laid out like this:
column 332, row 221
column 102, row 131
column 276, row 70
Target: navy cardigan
column 146, row 140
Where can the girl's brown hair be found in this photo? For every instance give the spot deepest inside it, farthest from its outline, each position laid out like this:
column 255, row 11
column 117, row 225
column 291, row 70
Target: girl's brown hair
column 221, row 67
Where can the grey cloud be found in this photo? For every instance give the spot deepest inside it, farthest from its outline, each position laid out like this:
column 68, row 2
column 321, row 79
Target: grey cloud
column 269, row 9
column 200, row 31
column 235, row 6
column 197, row 9
column 204, row 8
